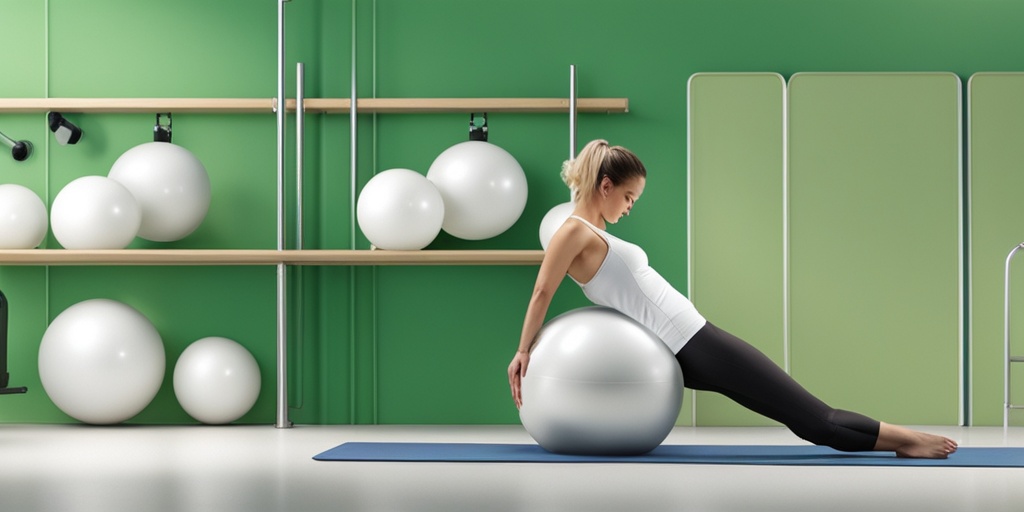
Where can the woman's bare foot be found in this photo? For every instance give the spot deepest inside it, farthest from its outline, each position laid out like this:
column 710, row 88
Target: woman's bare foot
column 913, row 444
column 928, row 446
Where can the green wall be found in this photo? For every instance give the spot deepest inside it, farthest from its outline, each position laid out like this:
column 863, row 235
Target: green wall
column 406, row 345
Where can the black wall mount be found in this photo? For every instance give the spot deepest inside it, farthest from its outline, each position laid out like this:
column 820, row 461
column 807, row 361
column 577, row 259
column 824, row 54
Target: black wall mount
column 4, row 376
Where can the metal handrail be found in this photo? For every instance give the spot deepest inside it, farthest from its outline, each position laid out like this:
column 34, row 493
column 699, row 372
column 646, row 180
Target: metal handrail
column 1007, row 358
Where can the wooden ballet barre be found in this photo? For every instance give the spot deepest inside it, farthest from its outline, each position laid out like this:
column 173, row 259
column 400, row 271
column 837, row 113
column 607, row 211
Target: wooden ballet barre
column 489, row 105
column 250, row 257
column 310, row 105
column 137, row 105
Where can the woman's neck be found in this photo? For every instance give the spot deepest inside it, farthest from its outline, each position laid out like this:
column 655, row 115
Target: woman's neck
column 591, row 215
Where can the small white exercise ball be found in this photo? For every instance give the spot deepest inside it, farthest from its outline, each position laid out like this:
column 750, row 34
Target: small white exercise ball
column 216, row 380
column 101, row 361
column 171, row 185
column 554, row 220
column 95, row 212
column 23, row 218
column 400, row 209
column 483, row 187
column 600, row 383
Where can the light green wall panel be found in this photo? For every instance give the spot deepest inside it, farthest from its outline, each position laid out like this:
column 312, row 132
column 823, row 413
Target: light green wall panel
column 874, row 173
column 22, row 29
column 736, row 143
column 996, row 157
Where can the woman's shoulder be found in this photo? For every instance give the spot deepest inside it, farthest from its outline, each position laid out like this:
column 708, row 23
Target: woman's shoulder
column 574, row 234
column 575, row 227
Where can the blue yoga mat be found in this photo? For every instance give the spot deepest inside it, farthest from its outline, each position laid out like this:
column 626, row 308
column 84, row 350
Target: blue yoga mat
column 665, row 454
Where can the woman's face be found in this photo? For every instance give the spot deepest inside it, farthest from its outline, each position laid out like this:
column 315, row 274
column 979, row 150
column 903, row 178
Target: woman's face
column 618, row 200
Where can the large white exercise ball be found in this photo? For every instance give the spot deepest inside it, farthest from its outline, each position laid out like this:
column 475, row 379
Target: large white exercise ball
column 101, row 361
column 483, row 187
column 23, row 218
column 216, row 380
column 400, row 209
column 171, row 185
column 600, row 383
column 95, row 212
column 553, row 220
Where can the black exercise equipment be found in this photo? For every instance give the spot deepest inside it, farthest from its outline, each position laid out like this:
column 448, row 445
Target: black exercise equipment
column 4, row 376
column 20, row 149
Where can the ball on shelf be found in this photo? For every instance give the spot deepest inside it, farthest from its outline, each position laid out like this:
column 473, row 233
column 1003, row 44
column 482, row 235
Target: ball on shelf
column 101, row 361
column 553, row 220
column 95, row 212
column 600, row 383
column 483, row 186
column 216, row 380
column 400, row 209
column 171, row 186
column 23, row 218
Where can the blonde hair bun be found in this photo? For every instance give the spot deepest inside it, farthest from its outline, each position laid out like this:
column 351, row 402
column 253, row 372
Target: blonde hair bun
column 580, row 174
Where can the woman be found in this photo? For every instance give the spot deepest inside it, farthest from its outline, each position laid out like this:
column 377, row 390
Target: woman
column 606, row 182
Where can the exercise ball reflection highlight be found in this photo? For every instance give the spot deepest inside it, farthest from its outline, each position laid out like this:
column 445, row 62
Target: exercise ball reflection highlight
column 216, row 380
column 171, row 186
column 23, row 218
column 483, row 186
column 600, row 383
column 95, row 212
column 554, row 220
column 399, row 209
column 101, row 361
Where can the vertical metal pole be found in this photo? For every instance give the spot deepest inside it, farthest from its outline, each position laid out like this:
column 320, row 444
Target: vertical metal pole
column 298, row 305
column 353, row 117
column 282, row 280
column 353, row 113
column 572, row 111
column 300, row 129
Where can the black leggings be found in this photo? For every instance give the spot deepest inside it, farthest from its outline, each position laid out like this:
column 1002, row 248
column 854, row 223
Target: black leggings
column 714, row 360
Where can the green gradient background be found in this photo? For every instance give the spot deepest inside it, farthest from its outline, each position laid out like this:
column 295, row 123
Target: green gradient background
column 410, row 344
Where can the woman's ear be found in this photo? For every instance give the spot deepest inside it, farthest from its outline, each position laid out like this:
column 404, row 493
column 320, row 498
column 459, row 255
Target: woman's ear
column 606, row 186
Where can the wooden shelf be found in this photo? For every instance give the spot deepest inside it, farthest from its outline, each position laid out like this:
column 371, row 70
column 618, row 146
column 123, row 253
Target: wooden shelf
column 463, row 105
column 137, row 105
column 211, row 257
column 312, row 105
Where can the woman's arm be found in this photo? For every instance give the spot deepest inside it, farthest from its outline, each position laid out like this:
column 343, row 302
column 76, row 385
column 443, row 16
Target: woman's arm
column 566, row 244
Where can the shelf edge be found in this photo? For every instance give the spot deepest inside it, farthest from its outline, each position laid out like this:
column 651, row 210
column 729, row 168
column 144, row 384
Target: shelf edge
column 312, row 105
column 248, row 257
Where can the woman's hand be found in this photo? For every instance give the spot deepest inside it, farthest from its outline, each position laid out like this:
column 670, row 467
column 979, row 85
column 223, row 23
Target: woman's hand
column 516, row 372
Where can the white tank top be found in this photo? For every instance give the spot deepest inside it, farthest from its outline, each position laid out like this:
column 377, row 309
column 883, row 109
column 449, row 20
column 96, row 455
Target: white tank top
column 626, row 282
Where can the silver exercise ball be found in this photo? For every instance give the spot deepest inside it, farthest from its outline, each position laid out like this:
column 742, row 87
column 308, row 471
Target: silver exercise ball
column 600, row 383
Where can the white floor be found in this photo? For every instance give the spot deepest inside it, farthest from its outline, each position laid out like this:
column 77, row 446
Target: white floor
column 144, row 468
